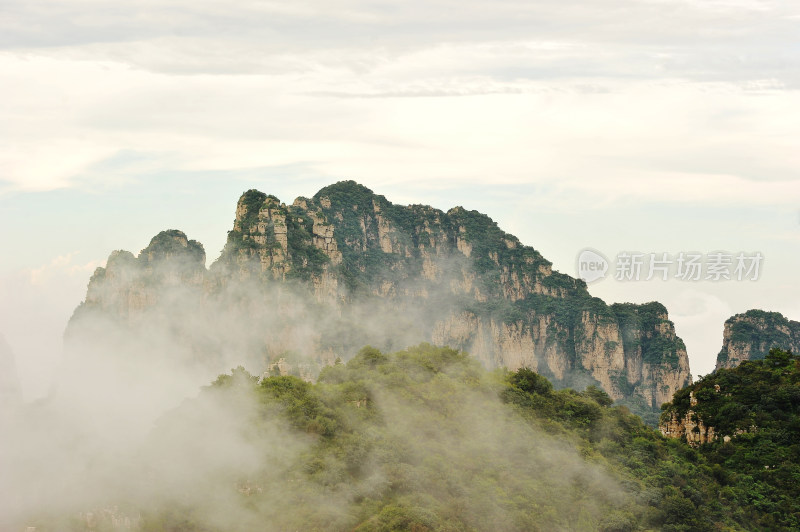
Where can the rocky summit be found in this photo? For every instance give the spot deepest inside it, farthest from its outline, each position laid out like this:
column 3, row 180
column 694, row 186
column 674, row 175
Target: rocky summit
column 298, row 285
column 751, row 335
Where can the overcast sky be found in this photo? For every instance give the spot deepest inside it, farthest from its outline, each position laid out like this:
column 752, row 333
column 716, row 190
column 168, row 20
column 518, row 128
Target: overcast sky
column 653, row 125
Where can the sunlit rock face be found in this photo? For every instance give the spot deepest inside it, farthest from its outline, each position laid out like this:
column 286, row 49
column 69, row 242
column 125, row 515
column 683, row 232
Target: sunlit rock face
column 317, row 279
column 750, row 336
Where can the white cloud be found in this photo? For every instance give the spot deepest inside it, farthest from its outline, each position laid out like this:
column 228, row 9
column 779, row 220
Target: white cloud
column 699, row 318
column 632, row 92
column 35, row 304
column 63, row 265
column 608, row 139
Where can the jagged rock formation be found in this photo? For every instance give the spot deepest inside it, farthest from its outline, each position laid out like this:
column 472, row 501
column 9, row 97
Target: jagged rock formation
column 129, row 285
column 328, row 274
column 751, row 335
column 10, row 392
column 690, row 426
column 756, row 396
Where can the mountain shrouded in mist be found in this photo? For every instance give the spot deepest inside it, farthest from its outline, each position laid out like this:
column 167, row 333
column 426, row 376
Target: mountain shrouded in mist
column 425, row 439
column 465, row 432
column 299, row 285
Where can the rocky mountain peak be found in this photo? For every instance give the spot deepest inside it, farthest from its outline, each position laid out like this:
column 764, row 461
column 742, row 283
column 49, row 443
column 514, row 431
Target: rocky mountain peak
column 751, row 335
column 372, row 272
column 173, row 245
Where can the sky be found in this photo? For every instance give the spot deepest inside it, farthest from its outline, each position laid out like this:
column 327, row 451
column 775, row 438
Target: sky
column 650, row 126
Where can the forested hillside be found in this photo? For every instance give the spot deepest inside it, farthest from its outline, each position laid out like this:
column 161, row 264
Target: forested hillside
column 754, row 410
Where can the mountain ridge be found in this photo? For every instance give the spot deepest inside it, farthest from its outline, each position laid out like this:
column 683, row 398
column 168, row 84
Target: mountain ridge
column 454, row 278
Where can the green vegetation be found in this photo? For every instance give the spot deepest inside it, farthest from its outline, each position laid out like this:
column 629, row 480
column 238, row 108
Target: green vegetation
column 761, row 331
column 172, row 250
column 424, row 439
column 425, row 265
column 173, row 242
column 352, row 210
column 758, row 405
column 508, row 282
column 253, row 200
column 306, row 259
column 262, row 214
column 639, row 325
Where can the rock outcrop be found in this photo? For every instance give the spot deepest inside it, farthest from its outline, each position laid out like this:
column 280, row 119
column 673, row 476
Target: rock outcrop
column 700, row 413
column 751, row 335
column 328, row 274
column 129, row 285
column 690, row 427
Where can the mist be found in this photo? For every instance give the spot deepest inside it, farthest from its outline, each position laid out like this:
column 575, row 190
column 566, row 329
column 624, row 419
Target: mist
column 132, row 435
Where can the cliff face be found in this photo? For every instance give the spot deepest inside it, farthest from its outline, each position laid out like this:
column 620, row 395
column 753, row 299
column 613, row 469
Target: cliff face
column 751, row 335
column 758, row 396
column 129, row 285
column 346, row 267
column 689, row 427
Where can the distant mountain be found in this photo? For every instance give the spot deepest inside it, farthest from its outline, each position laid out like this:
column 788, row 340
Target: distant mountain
column 299, row 285
column 751, row 335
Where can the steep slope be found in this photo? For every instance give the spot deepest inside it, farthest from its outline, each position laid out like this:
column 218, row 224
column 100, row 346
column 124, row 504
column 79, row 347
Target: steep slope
column 746, row 421
column 750, row 336
column 327, row 274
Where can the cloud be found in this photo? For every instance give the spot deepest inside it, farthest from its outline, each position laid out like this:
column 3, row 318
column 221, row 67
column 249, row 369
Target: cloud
column 613, row 88
column 36, row 302
column 699, row 318
column 62, row 265
column 698, row 39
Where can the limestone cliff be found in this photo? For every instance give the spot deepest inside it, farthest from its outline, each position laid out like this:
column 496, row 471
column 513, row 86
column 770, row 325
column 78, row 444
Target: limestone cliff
column 751, row 335
column 689, row 427
column 754, row 397
column 346, row 267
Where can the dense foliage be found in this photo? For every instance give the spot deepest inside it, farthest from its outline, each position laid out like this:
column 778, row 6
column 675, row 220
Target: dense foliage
column 172, row 247
column 424, row 439
column 495, row 260
column 758, row 331
column 648, row 317
column 757, row 405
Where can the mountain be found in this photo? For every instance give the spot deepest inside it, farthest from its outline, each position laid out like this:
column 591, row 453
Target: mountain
column 426, row 439
column 297, row 286
column 751, row 335
column 746, row 422
column 423, row 439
